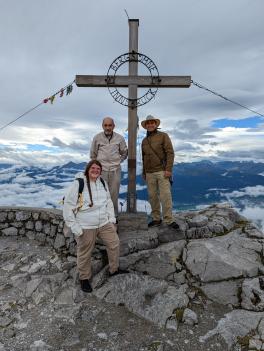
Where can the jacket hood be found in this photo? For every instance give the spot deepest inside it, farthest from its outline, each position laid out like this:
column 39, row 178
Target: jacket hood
column 79, row 175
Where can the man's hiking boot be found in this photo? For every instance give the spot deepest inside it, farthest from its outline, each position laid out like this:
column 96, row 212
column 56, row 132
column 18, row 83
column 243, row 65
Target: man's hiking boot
column 174, row 225
column 86, row 286
column 119, row 271
column 155, row 223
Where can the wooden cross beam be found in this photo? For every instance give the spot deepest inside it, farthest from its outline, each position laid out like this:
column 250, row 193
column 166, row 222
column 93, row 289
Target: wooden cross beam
column 140, row 81
column 132, row 81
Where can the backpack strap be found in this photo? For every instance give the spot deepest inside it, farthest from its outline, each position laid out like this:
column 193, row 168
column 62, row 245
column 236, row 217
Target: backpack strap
column 81, row 185
column 80, row 191
column 103, row 182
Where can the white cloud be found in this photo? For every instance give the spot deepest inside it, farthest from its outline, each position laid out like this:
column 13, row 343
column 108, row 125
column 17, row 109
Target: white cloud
column 252, row 191
column 23, row 179
column 255, row 214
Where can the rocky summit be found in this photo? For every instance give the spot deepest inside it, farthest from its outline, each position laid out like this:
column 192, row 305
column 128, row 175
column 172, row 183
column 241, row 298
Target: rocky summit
column 200, row 287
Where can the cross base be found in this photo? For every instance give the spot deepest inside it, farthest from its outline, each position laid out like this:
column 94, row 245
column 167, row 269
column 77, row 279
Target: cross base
column 132, row 221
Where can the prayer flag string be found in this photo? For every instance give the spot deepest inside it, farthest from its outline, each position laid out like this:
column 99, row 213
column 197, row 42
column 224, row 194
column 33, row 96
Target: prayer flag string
column 68, row 89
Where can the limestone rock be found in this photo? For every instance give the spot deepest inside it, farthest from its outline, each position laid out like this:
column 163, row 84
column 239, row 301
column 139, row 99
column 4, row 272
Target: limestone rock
column 66, row 297
column 30, row 234
column 255, row 344
column 231, row 256
column 35, row 267
column 3, row 216
column 189, row 317
column 253, row 232
column 261, row 329
column 39, row 345
column 59, row 241
column 29, row 225
column 225, row 292
column 38, row 226
column 150, row 298
column 32, row 286
column 237, row 323
column 199, row 232
column 137, row 241
column 172, row 324
column 9, row 267
column 159, row 263
column 198, row 221
column 225, row 222
column 11, row 231
column 166, row 234
column 4, row 322
column 68, row 313
column 41, row 237
column 23, row 215
column 253, row 294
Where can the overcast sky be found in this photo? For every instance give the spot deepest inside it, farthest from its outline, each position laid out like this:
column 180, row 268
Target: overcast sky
column 44, row 44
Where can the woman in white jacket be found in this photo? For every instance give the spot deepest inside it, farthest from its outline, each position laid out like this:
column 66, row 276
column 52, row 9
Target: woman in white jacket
column 94, row 217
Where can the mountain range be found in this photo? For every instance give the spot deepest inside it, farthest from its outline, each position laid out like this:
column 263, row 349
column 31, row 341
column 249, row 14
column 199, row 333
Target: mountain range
column 195, row 184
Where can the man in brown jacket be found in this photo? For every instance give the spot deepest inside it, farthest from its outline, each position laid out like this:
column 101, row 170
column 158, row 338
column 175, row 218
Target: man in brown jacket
column 158, row 157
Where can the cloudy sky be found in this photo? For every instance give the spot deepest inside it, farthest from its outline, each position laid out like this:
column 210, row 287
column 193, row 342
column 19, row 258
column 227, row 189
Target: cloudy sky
column 44, row 44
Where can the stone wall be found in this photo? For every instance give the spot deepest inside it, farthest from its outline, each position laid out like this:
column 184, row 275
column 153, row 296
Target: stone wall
column 44, row 225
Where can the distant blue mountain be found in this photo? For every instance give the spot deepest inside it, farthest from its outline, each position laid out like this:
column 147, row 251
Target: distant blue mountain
column 205, row 182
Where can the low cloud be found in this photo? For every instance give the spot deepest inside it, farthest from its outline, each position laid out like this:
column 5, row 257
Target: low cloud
column 236, row 155
column 83, row 147
column 191, row 130
column 255, row 214
column 252, row 191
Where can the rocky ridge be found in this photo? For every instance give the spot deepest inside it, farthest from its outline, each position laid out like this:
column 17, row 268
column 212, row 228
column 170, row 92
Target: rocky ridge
column 202, row 285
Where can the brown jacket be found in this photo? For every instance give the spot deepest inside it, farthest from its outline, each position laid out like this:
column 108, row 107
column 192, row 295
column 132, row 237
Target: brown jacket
column 163, row 157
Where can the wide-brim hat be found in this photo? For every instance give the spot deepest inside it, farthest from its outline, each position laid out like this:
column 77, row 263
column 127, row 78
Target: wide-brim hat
column 150, row 118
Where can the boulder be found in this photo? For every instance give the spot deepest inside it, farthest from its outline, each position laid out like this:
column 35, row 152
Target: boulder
column 149, row 298
column 237, row 323
column 253, row 294
column 221, row 258
column 160, row 263
column 225, row 292
column 198, row 221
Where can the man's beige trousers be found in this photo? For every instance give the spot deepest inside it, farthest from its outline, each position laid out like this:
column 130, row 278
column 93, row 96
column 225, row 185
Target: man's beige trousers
column 113, row 180
column 159, row 192
column 86, row 243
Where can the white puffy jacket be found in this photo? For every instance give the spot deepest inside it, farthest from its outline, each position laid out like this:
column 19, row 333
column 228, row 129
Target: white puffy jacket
column 101, row 213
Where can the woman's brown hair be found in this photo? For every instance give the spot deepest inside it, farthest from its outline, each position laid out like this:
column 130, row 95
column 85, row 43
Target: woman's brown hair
column 86, row 173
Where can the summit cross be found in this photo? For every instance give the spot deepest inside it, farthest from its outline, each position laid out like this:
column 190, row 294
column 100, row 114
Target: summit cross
column 132, row 81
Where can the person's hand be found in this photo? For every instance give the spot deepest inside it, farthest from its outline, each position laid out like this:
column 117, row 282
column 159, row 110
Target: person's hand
column 167, row 174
